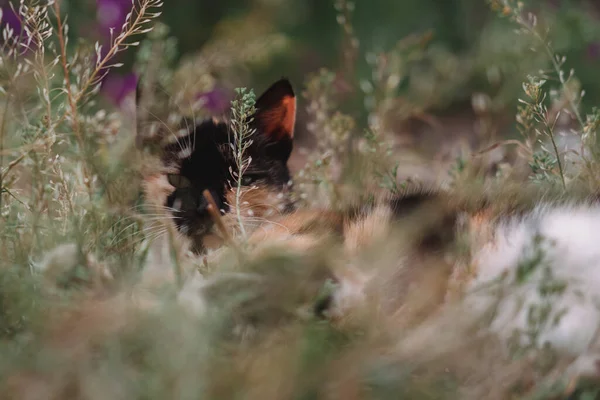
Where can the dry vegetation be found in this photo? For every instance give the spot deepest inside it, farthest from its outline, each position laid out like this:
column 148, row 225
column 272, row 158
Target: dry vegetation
column 98, row 299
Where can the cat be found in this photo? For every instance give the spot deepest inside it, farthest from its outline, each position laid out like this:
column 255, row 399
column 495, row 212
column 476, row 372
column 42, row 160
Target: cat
column 203, row 159
column 500, row 246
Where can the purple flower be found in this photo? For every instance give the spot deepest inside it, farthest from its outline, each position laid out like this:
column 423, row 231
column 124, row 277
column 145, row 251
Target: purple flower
column 118, row 87
column 12, row 19
column 593, row 51
column 216, row 101
column 9, row 17
column 112, row 14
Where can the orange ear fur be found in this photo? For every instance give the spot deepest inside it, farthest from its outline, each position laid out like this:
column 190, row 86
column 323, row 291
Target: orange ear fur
column 276, row 111
column 278, row 122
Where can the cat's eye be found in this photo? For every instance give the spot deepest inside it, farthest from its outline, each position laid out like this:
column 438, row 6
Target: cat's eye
column 178, row 181
column 249, row 179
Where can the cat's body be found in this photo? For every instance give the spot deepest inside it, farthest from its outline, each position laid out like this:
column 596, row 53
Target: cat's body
column 528, row 297
column 540, row 274
column 499, row 246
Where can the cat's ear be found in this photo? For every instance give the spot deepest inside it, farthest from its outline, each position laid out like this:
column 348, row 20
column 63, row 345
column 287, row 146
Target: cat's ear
column 140, row 114
column 275, row 118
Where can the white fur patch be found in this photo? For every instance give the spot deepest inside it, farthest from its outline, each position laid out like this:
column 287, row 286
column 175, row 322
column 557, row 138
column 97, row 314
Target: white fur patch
column 192, row 296
column 350, row 293
column 184, row 153
column 184, row 228
column 547, row 267
column 177, row 204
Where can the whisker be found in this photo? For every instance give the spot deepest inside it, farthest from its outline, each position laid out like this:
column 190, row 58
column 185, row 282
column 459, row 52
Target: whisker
column 265, row 205
column 166, row 214
column 266, row 221
column 168, row 129
column 187, row 126
column 120, row 232
column 264, row 228
column 163, row 213
column 151, row 229
column 142, row 215
column 194, row 122
column 161, row 218
column 163, row 207
column 154, row 236
column 151, row 236
column 142, row 211
column 144, row 238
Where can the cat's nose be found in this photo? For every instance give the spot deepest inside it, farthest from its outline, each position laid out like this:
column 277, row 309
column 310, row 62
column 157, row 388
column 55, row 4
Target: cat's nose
column 202, row 205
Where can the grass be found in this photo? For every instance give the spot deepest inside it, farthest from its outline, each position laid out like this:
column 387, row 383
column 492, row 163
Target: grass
column 76, row 317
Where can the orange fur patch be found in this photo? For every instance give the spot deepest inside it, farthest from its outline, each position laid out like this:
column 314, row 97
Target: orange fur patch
column 301, row 230
column 279, row 121
column 156, row 190
column 479, row 231
column 367, row 230
column 257, row 206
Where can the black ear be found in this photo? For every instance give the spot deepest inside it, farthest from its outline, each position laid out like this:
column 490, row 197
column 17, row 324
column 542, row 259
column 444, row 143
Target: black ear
column 140, row 113
column 275, row 118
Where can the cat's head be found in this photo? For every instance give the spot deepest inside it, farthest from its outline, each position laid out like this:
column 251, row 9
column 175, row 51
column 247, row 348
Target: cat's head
column 204, row 158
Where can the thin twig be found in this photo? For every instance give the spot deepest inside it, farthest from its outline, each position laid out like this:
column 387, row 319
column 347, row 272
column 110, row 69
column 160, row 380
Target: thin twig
column 502, row 143
column 2, row 130
column 557, row 69
column 175, row 258
column 5, row 190
column 560, row 167
column 213, row 210
column 139, row 20
column 72, row 100
column 63, row 57
column 551, row 134
column 11, row 165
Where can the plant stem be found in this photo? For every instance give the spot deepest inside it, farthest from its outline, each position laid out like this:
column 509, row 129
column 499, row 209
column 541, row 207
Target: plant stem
column 550, row 53
column 238, row 194
column 72, row 100
column 63, row 57
column 141, row 15
column 216, row 216
column 560, row 168
column 557, row 69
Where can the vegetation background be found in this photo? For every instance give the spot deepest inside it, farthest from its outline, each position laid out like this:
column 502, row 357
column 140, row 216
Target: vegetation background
column 306, row 37
column 469, row 50
column 467, row 57
column 420, row 86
